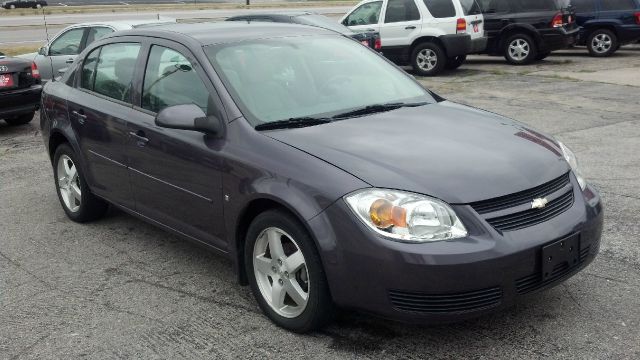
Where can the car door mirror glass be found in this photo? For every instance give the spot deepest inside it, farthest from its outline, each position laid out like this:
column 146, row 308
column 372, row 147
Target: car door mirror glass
column 187, row 117
column 42, row 51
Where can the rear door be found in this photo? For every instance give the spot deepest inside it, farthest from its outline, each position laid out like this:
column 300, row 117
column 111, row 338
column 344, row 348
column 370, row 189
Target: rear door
column 99, row 106
column 402, row 23
column 176, row 174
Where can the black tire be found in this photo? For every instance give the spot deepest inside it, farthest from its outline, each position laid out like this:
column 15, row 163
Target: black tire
column 528, row 44
column 542, row 56
column 90, row 206
column 602, row 49
column 319, row 309
column 21, row 119
column 455, row 62
column 439, row 57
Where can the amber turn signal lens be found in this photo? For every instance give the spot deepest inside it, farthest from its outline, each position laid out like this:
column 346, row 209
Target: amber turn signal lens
column 384, row 214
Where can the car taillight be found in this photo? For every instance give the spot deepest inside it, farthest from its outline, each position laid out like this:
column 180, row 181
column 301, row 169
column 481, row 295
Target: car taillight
column 461, row 26
column 35, row 73
column 378, row 44
column 557, row 21
column 637, row 15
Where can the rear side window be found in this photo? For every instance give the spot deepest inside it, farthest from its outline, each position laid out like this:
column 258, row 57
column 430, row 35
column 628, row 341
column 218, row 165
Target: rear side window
column 366, row 14
column 114, row 71
column 441, row 8
column 170, row 79
column 618, row 5
column 401, row 10
column 494, row 6
column 470, row 7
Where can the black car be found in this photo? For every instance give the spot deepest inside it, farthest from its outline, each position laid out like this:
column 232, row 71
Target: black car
column 20, row 90
column 524, row 31
column 324, row 173
column 370, row 39
column 14, row 4
column 607, row 24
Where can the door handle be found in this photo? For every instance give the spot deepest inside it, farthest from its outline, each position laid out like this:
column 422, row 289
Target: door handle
column 69, row 60
column 140, row 137
column 410, row 27
column 80, row 115
column 370, row 30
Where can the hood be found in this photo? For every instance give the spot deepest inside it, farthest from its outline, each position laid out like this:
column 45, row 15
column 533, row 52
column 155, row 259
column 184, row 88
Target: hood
column 446, row 150
column 28, row 56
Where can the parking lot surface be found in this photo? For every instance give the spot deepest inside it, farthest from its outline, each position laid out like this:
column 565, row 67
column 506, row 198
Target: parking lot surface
column 119, row 288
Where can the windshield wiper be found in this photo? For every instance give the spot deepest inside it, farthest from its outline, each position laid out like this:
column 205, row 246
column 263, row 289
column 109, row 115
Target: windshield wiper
column 376, row 108
column 291, row 123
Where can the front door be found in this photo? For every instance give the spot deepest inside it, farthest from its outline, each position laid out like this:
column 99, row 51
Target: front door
column 365, row 18
column 176, row 174
column 61, row 53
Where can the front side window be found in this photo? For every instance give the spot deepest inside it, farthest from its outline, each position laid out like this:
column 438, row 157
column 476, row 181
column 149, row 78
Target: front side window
column 319, row 76
column 618, row 5
column 67, row 43
column 114, row 71
column 441, row 8
column 366, row 14
column 170, row 79
column 400, row 11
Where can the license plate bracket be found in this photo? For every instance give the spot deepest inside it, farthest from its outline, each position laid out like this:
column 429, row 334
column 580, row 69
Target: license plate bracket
column 560, row 255
column 6, row 80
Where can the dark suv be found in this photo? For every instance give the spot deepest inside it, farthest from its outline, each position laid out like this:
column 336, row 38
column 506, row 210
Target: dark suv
column 36, row 4
column 607, row 24
column 528, row 30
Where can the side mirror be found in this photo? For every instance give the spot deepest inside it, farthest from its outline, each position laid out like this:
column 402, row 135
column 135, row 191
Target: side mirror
column 42, row 51
column 188, row 117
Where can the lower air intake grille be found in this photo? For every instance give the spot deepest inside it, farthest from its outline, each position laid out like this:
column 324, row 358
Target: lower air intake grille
column 460, row 302
column 533, row 282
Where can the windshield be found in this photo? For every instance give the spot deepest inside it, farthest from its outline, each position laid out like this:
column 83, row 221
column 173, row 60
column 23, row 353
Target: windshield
column 309, row 76
column 323, row 22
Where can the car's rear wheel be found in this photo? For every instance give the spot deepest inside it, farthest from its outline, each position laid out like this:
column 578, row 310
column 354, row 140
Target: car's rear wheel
column 602, row 43
column 520, row 49
column 285, row 272
column 428, row 59
column 543, row 55
column 455, row 62
column 21, row 119
column 78, row 202
column 12, row 7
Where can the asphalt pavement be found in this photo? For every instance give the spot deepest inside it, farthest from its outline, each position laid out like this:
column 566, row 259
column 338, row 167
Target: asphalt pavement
column 120, row 288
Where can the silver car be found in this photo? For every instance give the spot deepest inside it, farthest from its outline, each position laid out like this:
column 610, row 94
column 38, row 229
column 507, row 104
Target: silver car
column 63, row 48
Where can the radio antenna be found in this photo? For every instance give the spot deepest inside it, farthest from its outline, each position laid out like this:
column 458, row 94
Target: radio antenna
column 46, row 31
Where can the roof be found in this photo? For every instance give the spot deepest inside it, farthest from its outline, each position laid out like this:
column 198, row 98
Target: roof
column 227, row 31
column 125, row 24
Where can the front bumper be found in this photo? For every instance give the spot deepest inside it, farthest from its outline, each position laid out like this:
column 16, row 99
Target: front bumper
column 21, row 101
column 448, row 280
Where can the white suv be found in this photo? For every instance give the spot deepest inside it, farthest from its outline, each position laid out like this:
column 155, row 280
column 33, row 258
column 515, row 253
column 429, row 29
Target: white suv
column 430, row 35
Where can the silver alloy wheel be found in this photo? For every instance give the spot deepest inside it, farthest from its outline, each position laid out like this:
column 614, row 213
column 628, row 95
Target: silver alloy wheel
column 281, row 272
column 69, row 183
column 38, row 6
column 601, row 43
column 427, row 59
column 519, row 49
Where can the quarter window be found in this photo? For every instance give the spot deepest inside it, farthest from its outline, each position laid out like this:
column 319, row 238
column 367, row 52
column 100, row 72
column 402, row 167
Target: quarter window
column 441, row 8
column 401, row 10
column 67, row 43
column 114, row 71
column 170, row 79
column 366, row 14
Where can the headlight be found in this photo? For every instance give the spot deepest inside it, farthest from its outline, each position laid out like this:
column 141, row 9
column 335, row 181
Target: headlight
column 573, row 163
column 406, row 216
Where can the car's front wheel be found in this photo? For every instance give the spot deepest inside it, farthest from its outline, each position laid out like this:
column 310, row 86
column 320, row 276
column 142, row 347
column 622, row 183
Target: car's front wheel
column 602, row 43
column 285, row 272
column 21, row 119
column 520, row 49
column 78, row 202
column 428, row 59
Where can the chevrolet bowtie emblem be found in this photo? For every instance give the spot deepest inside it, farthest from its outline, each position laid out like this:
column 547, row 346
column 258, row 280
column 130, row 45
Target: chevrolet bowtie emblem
column 539, row 203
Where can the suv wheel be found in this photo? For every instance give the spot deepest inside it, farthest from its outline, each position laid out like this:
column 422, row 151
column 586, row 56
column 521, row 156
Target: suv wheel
column 455, row 62
column 21, row 119
column 78, row 202
column 542, row 56
column 602, row 42
column 519, row 49
column 285, row 272
column 428, row 59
